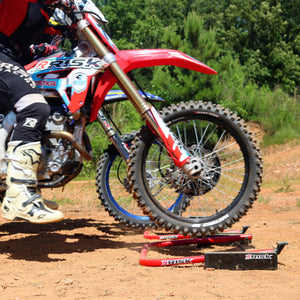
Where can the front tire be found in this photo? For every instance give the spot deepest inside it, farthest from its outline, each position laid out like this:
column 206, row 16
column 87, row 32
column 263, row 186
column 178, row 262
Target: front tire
column 227, row 184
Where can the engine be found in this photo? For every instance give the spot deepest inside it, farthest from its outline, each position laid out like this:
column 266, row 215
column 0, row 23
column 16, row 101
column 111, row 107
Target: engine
column 58, row 159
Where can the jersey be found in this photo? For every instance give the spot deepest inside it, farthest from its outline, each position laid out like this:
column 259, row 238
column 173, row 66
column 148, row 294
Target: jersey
column 22, row 23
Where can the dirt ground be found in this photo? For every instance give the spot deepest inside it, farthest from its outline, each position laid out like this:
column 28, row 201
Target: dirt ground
column 90, row 256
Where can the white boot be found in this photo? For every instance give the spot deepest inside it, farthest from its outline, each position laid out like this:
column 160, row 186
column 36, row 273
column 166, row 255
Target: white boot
column 22, row 201
column 3, row 163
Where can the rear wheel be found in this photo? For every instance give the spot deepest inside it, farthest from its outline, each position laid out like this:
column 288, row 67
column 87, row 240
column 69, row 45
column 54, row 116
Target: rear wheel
column 229, row 176
column 114, row 190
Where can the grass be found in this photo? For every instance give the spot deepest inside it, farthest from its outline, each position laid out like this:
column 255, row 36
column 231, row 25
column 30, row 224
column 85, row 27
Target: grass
column 64, row 201
column 264, row 200
column 285, row 186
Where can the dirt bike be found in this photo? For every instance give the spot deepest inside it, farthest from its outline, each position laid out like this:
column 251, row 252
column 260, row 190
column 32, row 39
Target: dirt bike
column 194, row 168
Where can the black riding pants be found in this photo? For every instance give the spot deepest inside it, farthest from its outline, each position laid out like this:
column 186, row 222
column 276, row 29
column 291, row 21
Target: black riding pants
column 18, row 92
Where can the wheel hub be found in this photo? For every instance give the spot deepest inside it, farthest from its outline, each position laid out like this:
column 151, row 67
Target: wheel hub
column 205, row 175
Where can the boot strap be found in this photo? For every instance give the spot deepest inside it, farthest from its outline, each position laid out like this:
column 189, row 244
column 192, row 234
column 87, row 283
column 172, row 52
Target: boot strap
column 34, row 197
column 29, row 182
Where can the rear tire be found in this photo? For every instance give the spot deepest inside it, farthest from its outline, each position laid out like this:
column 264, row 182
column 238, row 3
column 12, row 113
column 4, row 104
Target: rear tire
column 114, row 190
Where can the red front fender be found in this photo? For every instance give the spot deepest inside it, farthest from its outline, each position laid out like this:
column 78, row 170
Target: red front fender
column 142, row 58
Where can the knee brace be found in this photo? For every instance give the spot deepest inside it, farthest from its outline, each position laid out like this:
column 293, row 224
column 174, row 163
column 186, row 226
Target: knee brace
column 32, row 115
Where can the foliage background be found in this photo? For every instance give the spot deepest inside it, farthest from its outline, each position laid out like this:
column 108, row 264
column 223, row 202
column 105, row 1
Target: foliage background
column 254, row 46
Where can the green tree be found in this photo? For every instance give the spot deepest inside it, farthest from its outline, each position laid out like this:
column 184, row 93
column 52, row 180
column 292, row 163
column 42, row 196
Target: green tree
column 122, row 16
column 181, row 84
column 263, row 35
column 158, row 14
column 140, row 23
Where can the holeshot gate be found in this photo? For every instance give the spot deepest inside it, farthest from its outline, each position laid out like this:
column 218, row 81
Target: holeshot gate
column 264, row 259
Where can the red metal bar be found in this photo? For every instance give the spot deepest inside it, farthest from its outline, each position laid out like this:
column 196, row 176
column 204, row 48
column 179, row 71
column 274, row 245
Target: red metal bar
column 186, row 260
column 167, row 262
column 181, row 236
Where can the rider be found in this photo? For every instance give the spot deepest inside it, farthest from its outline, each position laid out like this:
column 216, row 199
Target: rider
column 22, row 24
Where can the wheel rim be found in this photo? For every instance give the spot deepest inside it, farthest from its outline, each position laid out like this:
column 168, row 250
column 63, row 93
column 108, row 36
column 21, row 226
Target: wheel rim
column 224, row 169
column 116, row 190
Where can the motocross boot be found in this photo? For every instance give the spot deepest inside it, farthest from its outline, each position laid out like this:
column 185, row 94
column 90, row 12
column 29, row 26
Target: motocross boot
column 3, row 167
column 3, row 164
column 22, row 201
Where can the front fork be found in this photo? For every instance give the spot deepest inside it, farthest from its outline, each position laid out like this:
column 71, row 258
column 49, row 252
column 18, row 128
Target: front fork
column 175, row 149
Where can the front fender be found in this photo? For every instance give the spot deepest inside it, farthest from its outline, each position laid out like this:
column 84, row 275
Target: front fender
column 142, row 58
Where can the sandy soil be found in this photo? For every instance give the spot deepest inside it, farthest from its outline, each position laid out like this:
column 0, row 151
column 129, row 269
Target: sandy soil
column 90, row 256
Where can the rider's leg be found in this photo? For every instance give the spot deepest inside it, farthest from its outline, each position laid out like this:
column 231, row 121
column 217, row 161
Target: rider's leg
column 22, row 201
column 18, row 92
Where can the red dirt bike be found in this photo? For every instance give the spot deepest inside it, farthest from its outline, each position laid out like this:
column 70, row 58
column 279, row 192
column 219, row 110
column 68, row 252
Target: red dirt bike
column 194, row 168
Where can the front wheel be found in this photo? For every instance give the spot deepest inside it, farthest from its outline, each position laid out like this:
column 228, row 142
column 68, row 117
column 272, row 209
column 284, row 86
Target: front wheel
column 228, row 180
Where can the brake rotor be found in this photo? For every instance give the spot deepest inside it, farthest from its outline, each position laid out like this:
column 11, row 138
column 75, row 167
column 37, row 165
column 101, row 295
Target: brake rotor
column 206, row 179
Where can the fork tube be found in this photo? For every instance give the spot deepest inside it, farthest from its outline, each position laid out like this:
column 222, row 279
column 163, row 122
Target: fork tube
column 130, row 90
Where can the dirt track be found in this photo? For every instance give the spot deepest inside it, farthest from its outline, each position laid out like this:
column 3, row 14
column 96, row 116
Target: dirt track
column 90, row 256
